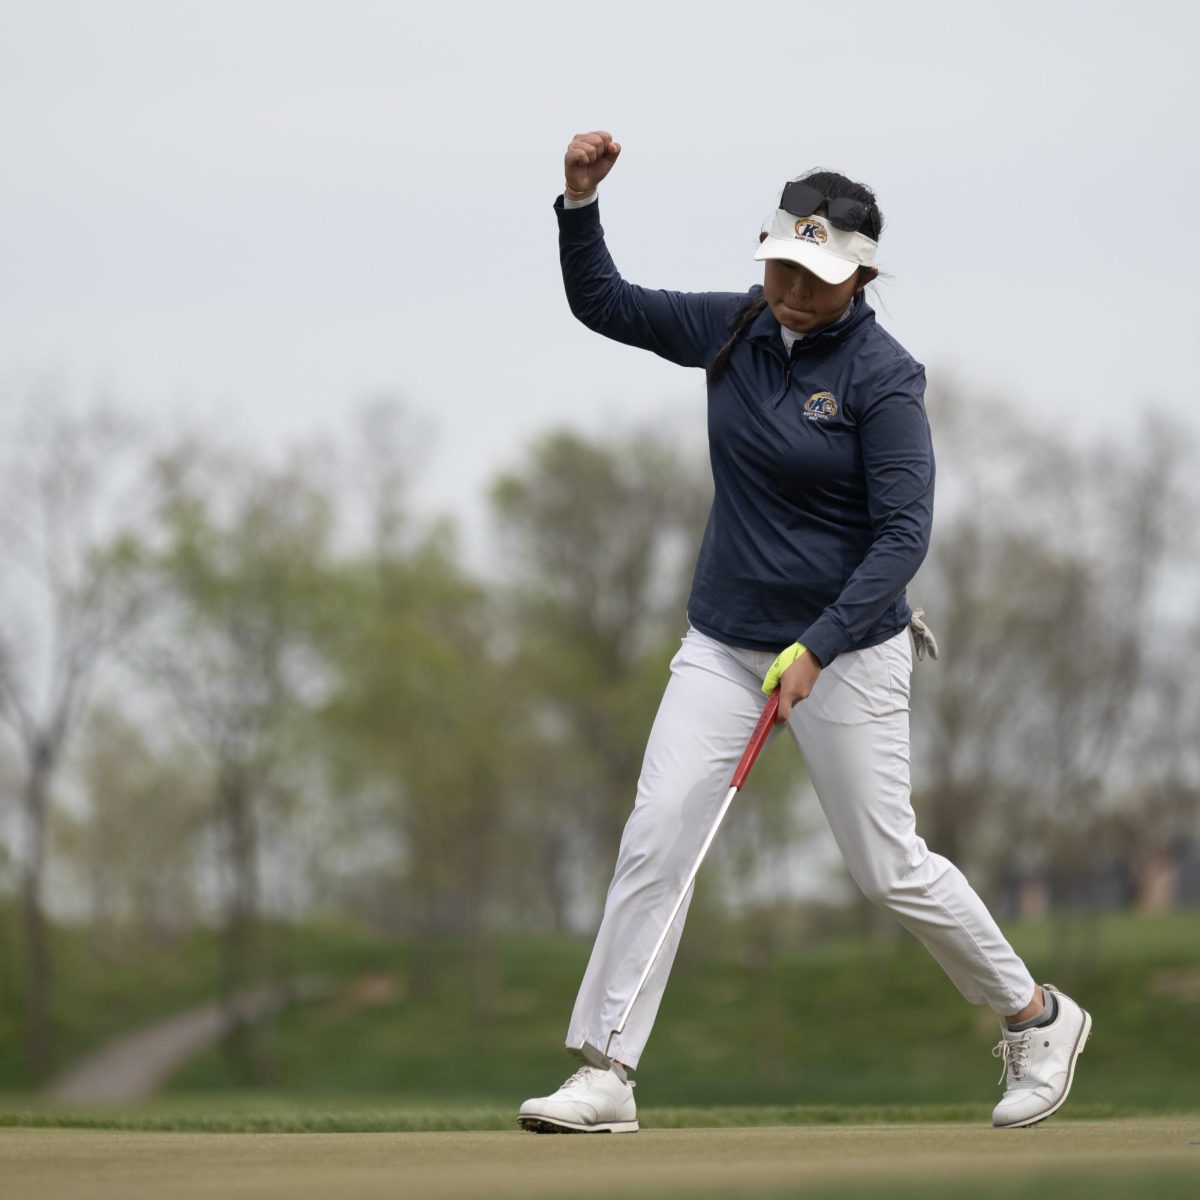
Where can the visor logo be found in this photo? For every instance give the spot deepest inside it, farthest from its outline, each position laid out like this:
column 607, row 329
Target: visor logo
column 820, row 406
column 808, row 230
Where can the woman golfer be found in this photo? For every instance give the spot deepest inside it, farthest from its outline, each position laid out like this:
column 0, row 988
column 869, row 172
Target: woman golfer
column 823, row 475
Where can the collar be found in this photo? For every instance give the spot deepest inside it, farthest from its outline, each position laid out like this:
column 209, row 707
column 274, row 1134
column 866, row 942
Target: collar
column 790, row 338
column 765, row 328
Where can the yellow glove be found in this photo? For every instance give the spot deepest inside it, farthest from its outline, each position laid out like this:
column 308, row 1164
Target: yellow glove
column 783, row 660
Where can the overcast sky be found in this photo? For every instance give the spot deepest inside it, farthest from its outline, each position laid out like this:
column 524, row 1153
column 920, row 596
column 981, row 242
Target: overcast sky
column 255, row 214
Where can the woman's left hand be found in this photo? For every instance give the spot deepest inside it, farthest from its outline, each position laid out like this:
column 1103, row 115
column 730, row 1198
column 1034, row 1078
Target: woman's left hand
column 796, row 684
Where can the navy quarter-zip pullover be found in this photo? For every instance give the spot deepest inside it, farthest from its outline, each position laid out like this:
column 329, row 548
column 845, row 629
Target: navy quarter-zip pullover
column 821, row 458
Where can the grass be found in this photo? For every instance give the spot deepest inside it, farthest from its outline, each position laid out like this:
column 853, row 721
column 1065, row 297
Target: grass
column 853, row 1021
column 848, row 1023
column 241, row 1114
column 1096, row 1160
column 845, row 1069
column 103, row 989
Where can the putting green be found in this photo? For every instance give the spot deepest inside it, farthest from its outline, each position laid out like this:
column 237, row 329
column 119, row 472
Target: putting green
column 1093, row 1159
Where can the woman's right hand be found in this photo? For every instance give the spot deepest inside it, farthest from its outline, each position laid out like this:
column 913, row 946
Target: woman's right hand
column 589, row 158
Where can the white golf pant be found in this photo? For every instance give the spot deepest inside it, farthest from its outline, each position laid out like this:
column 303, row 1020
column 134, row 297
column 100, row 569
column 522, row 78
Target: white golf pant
column 853, row 734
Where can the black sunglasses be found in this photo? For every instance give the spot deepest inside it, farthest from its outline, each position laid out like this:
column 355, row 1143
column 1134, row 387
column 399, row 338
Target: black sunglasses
column 802, row 200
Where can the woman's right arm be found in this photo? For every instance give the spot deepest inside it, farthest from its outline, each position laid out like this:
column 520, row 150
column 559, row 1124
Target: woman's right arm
column 684, row 327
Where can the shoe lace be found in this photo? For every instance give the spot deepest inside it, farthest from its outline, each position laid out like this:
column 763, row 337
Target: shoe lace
column 1015, row 1053
column 583, row 1078
column 583, row 1075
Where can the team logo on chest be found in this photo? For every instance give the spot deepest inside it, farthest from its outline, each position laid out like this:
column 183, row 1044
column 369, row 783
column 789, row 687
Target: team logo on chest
column 820, row 406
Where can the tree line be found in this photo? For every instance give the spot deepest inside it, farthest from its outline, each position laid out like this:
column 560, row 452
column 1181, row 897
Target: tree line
column 236, row 686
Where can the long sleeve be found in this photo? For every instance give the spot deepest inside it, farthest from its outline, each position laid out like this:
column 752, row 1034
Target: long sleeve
column 684, row 327
column 897, row 454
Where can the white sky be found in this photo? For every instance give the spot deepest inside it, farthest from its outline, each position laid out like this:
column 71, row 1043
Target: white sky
column 254, row 214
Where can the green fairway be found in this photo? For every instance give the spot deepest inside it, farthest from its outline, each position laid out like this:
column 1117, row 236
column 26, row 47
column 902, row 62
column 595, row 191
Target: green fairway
column 1092, row 1159
column 255, row 1113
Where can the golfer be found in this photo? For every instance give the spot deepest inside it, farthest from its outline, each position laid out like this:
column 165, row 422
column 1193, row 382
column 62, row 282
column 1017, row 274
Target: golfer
column 823, row 500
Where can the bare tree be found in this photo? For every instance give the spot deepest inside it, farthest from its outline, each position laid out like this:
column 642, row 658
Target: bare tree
column 419, row 728
column 67, row 601
column 135, row 847
column 1046, row 586
column 601, row 539
column 234, row 574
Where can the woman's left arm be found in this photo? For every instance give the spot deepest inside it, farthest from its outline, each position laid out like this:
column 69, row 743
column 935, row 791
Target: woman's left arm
column 897, row 454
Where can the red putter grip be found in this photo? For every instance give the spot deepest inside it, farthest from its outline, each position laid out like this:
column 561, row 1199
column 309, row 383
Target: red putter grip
column 766, row 723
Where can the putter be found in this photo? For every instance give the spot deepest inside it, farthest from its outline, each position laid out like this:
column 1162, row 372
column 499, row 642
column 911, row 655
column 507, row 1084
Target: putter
column 758, row 738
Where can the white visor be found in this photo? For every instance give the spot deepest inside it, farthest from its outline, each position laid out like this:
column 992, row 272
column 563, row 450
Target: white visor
column 829, row 253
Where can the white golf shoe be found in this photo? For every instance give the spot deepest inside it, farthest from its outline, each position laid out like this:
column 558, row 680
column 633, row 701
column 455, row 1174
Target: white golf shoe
column 1039, row 1063
column 593, row 1100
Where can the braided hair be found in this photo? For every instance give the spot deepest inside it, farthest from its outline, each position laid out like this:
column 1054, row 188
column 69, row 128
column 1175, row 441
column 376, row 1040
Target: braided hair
column 742, row 322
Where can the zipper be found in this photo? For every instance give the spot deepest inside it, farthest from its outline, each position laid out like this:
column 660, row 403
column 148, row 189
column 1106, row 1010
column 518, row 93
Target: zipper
column 787, row 382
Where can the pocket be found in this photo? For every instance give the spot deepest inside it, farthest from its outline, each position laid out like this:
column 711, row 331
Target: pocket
column 898, row 651
column 863, row 685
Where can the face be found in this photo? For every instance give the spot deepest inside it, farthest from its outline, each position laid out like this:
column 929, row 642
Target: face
column 804, row 303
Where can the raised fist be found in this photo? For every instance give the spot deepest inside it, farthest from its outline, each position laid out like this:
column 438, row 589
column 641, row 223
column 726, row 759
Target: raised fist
column 589, row 158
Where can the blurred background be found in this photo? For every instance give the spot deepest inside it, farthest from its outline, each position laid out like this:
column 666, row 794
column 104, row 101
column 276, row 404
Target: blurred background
column 340, row 569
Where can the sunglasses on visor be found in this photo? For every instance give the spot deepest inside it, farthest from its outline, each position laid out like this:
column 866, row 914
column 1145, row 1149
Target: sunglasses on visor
column 802, row 200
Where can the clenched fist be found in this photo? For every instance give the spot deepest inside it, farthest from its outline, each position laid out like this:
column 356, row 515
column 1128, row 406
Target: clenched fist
column 589, row 158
